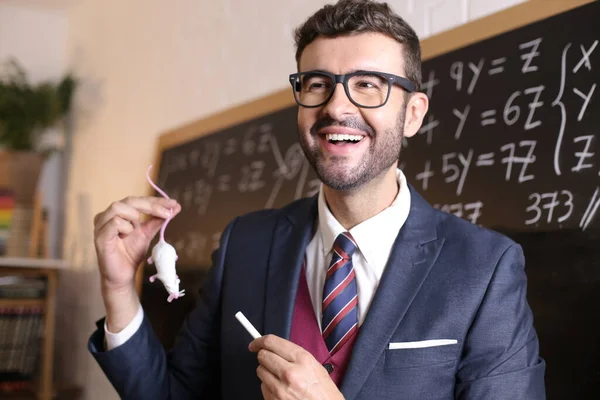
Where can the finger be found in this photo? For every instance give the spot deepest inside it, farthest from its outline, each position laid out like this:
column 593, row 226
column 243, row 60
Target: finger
column 152, row 226
column 266, row 393
column 120, row 210
column 154, row 206
column 273, row 363
column 131, row 209
column 271, row 384
column 115, row 227
column 284, row 348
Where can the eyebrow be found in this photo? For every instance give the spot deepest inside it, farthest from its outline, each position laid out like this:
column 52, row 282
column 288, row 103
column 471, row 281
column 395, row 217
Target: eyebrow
column 316, row 71
column 363, row 70
column 351, row 71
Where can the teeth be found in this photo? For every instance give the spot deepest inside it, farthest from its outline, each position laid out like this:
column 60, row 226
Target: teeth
column 338, row 137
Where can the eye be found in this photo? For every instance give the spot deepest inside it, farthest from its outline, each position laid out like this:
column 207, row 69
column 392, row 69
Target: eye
column 368, row 82
column 315, row 83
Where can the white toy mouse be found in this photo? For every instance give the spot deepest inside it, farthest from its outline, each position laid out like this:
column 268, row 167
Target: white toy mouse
column 164, row 257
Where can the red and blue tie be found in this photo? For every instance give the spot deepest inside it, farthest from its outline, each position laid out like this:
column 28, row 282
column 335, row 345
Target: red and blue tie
column 340, row 298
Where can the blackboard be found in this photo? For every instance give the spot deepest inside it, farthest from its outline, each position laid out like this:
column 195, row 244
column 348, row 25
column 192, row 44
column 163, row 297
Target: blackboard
column 510, row 143
column 258, row 164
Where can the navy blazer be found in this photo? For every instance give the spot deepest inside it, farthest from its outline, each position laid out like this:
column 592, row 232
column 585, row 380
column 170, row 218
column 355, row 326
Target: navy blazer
column 445, row 279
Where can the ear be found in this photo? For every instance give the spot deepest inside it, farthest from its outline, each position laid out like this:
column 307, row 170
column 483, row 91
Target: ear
column 417, row 107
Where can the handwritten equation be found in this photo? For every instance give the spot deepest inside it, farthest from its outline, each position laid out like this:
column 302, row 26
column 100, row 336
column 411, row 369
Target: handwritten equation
column 254, row 174
column 256, row 166
column 510, row 140
column 514, row 127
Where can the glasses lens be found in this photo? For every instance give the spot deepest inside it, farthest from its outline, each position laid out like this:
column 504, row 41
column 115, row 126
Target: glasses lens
column 369, row 90
column 315, row 89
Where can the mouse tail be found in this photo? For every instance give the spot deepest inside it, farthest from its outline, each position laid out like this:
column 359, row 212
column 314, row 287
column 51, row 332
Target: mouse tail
column 159, row 190
column 164, row 226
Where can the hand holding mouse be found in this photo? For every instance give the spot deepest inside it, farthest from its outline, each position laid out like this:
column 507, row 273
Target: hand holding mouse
column 121, row 239
column 164, row 256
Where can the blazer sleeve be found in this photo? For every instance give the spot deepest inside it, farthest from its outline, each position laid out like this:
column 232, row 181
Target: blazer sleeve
column 501, row 354
column 141, row 369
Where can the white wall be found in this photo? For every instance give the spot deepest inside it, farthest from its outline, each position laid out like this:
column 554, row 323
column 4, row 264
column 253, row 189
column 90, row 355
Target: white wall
column 151, row 65
column 37, row 38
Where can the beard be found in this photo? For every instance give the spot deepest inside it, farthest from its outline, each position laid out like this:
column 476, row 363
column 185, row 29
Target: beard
column 384, row 151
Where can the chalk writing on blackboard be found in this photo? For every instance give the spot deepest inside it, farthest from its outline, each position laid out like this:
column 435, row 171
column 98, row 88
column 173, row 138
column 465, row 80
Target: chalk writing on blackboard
column 254, row 166
column 509, row 142
column 514, row 108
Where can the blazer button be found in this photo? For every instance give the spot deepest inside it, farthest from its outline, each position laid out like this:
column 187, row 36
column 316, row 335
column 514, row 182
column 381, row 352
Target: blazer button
column 328, row 367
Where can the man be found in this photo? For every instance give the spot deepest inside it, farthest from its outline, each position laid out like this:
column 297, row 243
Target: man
column 362, row 292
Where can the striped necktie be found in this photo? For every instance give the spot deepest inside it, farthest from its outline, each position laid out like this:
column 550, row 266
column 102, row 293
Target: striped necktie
column 340, row 298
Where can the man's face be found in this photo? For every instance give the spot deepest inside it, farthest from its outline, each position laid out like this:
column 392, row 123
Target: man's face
column 347, row 165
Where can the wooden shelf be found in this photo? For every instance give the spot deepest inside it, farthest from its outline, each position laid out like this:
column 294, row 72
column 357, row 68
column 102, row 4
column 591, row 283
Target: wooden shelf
column 49, row 269
column 62, row 392
column 19, row 302
column 38, row 264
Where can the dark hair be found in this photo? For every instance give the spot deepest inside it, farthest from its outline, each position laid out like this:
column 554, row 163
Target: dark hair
column 348, row 17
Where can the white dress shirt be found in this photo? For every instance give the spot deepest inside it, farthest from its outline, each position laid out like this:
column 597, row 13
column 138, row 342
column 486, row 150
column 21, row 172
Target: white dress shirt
column 374, row 237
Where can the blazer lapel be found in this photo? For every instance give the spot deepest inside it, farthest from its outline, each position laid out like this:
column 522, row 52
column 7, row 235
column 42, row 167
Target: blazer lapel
column 293, row 232
column 415, row 250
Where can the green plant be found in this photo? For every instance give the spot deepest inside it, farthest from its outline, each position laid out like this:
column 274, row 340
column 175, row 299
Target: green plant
column 27, row 109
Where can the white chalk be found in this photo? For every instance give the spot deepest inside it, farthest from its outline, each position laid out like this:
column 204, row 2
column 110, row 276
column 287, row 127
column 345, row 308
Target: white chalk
column 249, row 327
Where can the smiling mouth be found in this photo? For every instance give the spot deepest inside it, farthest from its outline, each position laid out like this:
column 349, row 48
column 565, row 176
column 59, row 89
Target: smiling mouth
column 343, row 138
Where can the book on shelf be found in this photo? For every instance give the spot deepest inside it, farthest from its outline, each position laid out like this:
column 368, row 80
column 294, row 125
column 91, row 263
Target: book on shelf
column 15, row 286
column 20, row 334
column 21, row 330
column 7, row 209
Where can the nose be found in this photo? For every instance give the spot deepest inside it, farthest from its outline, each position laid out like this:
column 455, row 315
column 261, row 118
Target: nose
column 339, row 104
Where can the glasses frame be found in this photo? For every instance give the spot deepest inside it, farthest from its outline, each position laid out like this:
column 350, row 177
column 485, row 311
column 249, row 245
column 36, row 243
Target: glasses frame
column 404, row 83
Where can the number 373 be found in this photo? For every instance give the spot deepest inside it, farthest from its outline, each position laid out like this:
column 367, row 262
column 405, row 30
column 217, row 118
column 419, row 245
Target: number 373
column 546, row 203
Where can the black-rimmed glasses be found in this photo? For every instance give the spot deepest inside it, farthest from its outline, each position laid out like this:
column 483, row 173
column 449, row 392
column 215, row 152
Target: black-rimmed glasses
column 367, row 89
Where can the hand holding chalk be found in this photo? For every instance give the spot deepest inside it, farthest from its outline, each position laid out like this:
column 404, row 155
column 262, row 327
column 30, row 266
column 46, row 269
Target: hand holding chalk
column 246, row 324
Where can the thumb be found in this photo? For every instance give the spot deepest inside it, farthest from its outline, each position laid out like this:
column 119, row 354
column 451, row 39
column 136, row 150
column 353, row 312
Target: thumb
column 152, row 226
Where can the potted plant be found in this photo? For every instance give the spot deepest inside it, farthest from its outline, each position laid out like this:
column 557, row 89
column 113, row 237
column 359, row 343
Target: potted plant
column 31, row 126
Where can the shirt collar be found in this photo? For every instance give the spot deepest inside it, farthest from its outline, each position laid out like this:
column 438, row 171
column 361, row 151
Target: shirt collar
column 375, row 236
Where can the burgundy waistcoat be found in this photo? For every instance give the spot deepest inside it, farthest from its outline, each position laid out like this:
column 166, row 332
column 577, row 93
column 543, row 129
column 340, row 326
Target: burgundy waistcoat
column 305, row 332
